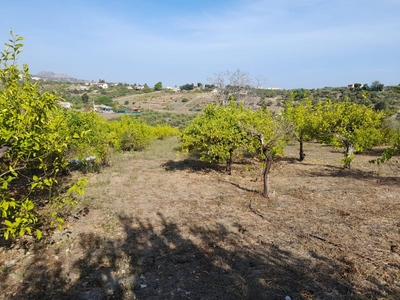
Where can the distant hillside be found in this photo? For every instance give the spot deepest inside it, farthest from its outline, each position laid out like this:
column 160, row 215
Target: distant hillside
column 57, row 77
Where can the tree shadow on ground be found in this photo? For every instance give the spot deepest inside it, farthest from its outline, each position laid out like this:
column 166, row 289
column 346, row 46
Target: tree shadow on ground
column 215, row 263
column 373, row 152
column 332, row 171
column 287, row 159
column 244, row 188
column 192, row 164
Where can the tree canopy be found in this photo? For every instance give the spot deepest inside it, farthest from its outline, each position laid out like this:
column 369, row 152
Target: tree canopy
column 158, row 86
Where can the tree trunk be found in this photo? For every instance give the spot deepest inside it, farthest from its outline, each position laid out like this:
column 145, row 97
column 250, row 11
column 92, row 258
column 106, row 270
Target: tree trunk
column 267, row 168
column 302, row 155
column 229, row 163
column 349, row 153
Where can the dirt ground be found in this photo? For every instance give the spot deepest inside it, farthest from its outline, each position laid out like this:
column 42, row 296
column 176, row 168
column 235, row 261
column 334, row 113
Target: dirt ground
column 155, row 225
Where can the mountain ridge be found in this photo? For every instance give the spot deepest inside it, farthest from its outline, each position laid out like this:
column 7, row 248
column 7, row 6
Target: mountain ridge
column 57, row 76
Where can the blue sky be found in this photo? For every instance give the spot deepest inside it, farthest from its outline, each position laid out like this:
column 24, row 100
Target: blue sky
column 292, row 43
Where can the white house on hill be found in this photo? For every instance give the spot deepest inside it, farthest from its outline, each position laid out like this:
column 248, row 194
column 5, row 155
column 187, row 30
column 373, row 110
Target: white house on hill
column 103, row 85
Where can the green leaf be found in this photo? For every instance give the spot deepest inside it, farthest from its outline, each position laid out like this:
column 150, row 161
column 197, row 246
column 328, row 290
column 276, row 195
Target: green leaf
column 9, row 224
column 5, row 205
column 12, row 171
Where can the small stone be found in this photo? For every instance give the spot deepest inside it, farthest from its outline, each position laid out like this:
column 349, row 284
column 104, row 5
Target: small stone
column 142, row 286
column 10, row 263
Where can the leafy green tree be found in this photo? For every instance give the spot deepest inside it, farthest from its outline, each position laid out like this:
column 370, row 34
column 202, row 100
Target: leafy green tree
column 85, row 98
column 267, row 136
column 365, row 87
column 158, row 86
column 217, row 133
column 377, row 86
column 105, row 100
column 303, row 120
column 115, row 105
column 389, row 153
column 187, row 87
column 355, row 126
column 357, row 86
column 299, row 94
column 130, row 134
column 33, row 141
column 381, row 105
column 90, row 136
column 225, row 130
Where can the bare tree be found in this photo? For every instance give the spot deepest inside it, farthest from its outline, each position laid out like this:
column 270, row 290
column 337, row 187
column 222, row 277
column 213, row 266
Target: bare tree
column 230, row 84
column 259, row 81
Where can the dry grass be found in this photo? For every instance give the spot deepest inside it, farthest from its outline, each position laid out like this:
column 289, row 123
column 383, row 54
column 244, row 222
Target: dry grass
column 158, row 226
column 171, row 101
column 167, row 101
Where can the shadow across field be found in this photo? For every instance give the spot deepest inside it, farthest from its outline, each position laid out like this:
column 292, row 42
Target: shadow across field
column 162, row 264
column 357, row 174
column 244, row 188
column 192, row 164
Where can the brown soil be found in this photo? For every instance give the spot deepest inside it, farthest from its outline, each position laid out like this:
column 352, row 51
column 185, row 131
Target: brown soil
column 158, row 226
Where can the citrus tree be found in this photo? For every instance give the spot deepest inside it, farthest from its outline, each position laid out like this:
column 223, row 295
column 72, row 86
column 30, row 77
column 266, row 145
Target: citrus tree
column 223, row 131
column 356, row 127
column 304, row 121
column 90, row 136
column 217, row 134
column 267, row 136
column 129, row 133
column 392, row 151
column 32, row 146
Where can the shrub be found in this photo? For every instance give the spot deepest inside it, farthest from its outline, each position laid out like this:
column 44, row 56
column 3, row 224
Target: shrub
column 162, row 131
column 130, row 134
column 90, row 136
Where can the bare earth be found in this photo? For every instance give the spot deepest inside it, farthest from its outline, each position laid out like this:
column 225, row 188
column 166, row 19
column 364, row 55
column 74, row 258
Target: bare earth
column 158, row 226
